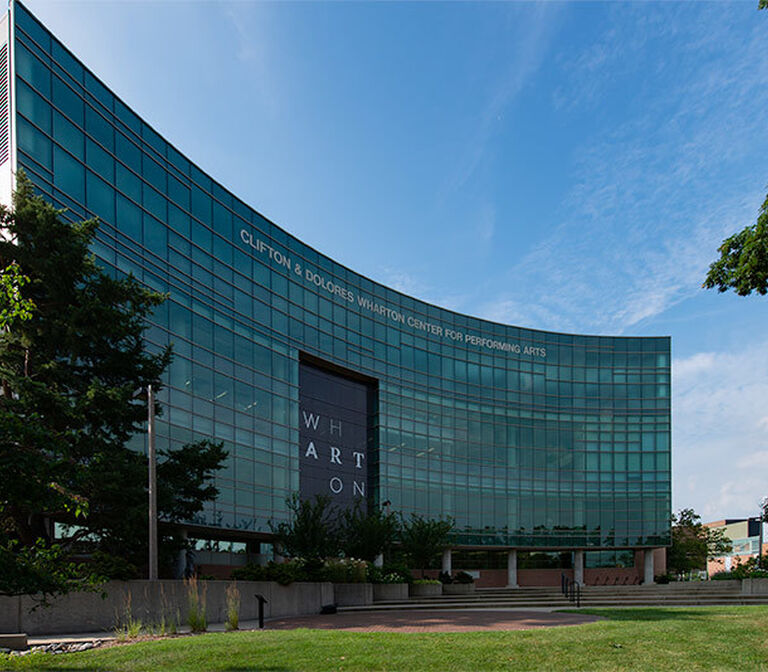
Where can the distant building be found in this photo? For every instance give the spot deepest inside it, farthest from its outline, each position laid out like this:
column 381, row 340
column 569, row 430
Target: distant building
column 744, row 534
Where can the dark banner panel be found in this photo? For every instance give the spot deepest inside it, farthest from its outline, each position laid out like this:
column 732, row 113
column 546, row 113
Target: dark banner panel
column 333, row 436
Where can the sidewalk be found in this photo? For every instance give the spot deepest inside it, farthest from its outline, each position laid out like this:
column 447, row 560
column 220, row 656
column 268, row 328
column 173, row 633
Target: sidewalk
column 109, row 635
column 413, row 620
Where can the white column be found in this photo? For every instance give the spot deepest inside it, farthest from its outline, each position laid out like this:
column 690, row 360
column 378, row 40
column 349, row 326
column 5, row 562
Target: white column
column 648, row 567
column 512, row 569
column 447, row 560
column 378, row 561
column 578, row 567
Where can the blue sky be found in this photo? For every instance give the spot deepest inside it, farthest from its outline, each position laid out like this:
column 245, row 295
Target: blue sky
column 564, row 166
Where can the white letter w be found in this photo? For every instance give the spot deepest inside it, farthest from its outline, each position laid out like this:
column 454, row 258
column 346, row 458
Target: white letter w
column 311, row 420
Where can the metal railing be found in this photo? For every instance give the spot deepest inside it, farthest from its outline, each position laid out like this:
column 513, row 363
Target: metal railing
column 570, row 589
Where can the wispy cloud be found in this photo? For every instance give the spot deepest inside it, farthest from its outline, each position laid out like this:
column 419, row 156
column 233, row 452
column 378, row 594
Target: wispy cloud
column 249, row 23
column 411, row 284
column 720, row 431
column 530, row 34
column 655, row 193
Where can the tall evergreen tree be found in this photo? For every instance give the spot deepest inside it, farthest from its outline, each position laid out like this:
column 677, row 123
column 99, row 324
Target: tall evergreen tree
column 69, row 376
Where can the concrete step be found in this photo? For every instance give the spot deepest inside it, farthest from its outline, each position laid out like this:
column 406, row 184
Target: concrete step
column 586, row 595
column 638, row 601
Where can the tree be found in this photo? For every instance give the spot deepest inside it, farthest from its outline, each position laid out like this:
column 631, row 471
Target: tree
column 367, row 534
column 313, row 530
column 41, row 571
column 743, row 262
column 72, row 357
column 13, row 306
column 693, row 543
column 423, row 539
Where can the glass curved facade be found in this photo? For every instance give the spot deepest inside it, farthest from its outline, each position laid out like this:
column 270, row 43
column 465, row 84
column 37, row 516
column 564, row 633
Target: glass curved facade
column 529, row 439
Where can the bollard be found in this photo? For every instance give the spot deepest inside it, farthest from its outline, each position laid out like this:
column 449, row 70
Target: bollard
column 262, row 601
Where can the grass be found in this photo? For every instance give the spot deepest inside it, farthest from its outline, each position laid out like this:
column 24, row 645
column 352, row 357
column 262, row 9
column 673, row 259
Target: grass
column 669, row 639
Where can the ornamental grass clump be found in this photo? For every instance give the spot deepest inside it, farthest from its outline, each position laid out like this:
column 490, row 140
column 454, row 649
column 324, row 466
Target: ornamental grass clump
column 196, row 617
column 233, row 606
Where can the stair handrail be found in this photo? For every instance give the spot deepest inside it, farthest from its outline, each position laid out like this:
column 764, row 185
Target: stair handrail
column 570, row 589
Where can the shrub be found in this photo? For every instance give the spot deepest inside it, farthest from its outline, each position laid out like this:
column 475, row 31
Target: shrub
column 750, row 570
column 380, row 575
column 113, row 567
column 400, row 569
column 464, row 577
column 283, row 573
column 345, row 570
column 662, row 578
column 426, row 582
column 286, row 573
column 393, row 577
column 250, row 572
column 444, row 577
column 722, row 576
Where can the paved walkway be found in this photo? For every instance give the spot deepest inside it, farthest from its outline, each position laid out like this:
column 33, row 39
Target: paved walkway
column 435, row 620
column 442, row 620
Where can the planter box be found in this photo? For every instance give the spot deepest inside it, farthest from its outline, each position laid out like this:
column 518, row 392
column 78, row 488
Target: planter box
column 425, row 589
column 458, row 588
column 352, row 594
column 387, row 592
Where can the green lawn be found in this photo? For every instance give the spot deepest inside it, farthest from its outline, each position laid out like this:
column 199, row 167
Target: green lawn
column 716, row 638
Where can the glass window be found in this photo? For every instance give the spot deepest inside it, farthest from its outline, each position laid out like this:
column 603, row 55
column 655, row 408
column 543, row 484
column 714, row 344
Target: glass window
column 68, row 174
column 178, row 192
column 98, row 91
column 69, row 64
column 153, row 173
column 153, row 139
column 201, row 205
column 129, row 218
column 128, row 152
column 155, row 235
column 178, row 220
column 33, row 106
column 100, row 198
column 178, row 160
column 154, row 202
column 34, row 143
column 128, row 117
column 33, row 70
column 66, row 100
column 128, row 183
column 99, row 160
column 99, row 128
column 31, row 27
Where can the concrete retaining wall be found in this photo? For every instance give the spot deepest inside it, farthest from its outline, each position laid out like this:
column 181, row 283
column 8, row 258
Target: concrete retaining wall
column 387, row 592
column 425, row 589
column 353, row 594
column 150, row 602
column 754, row 586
